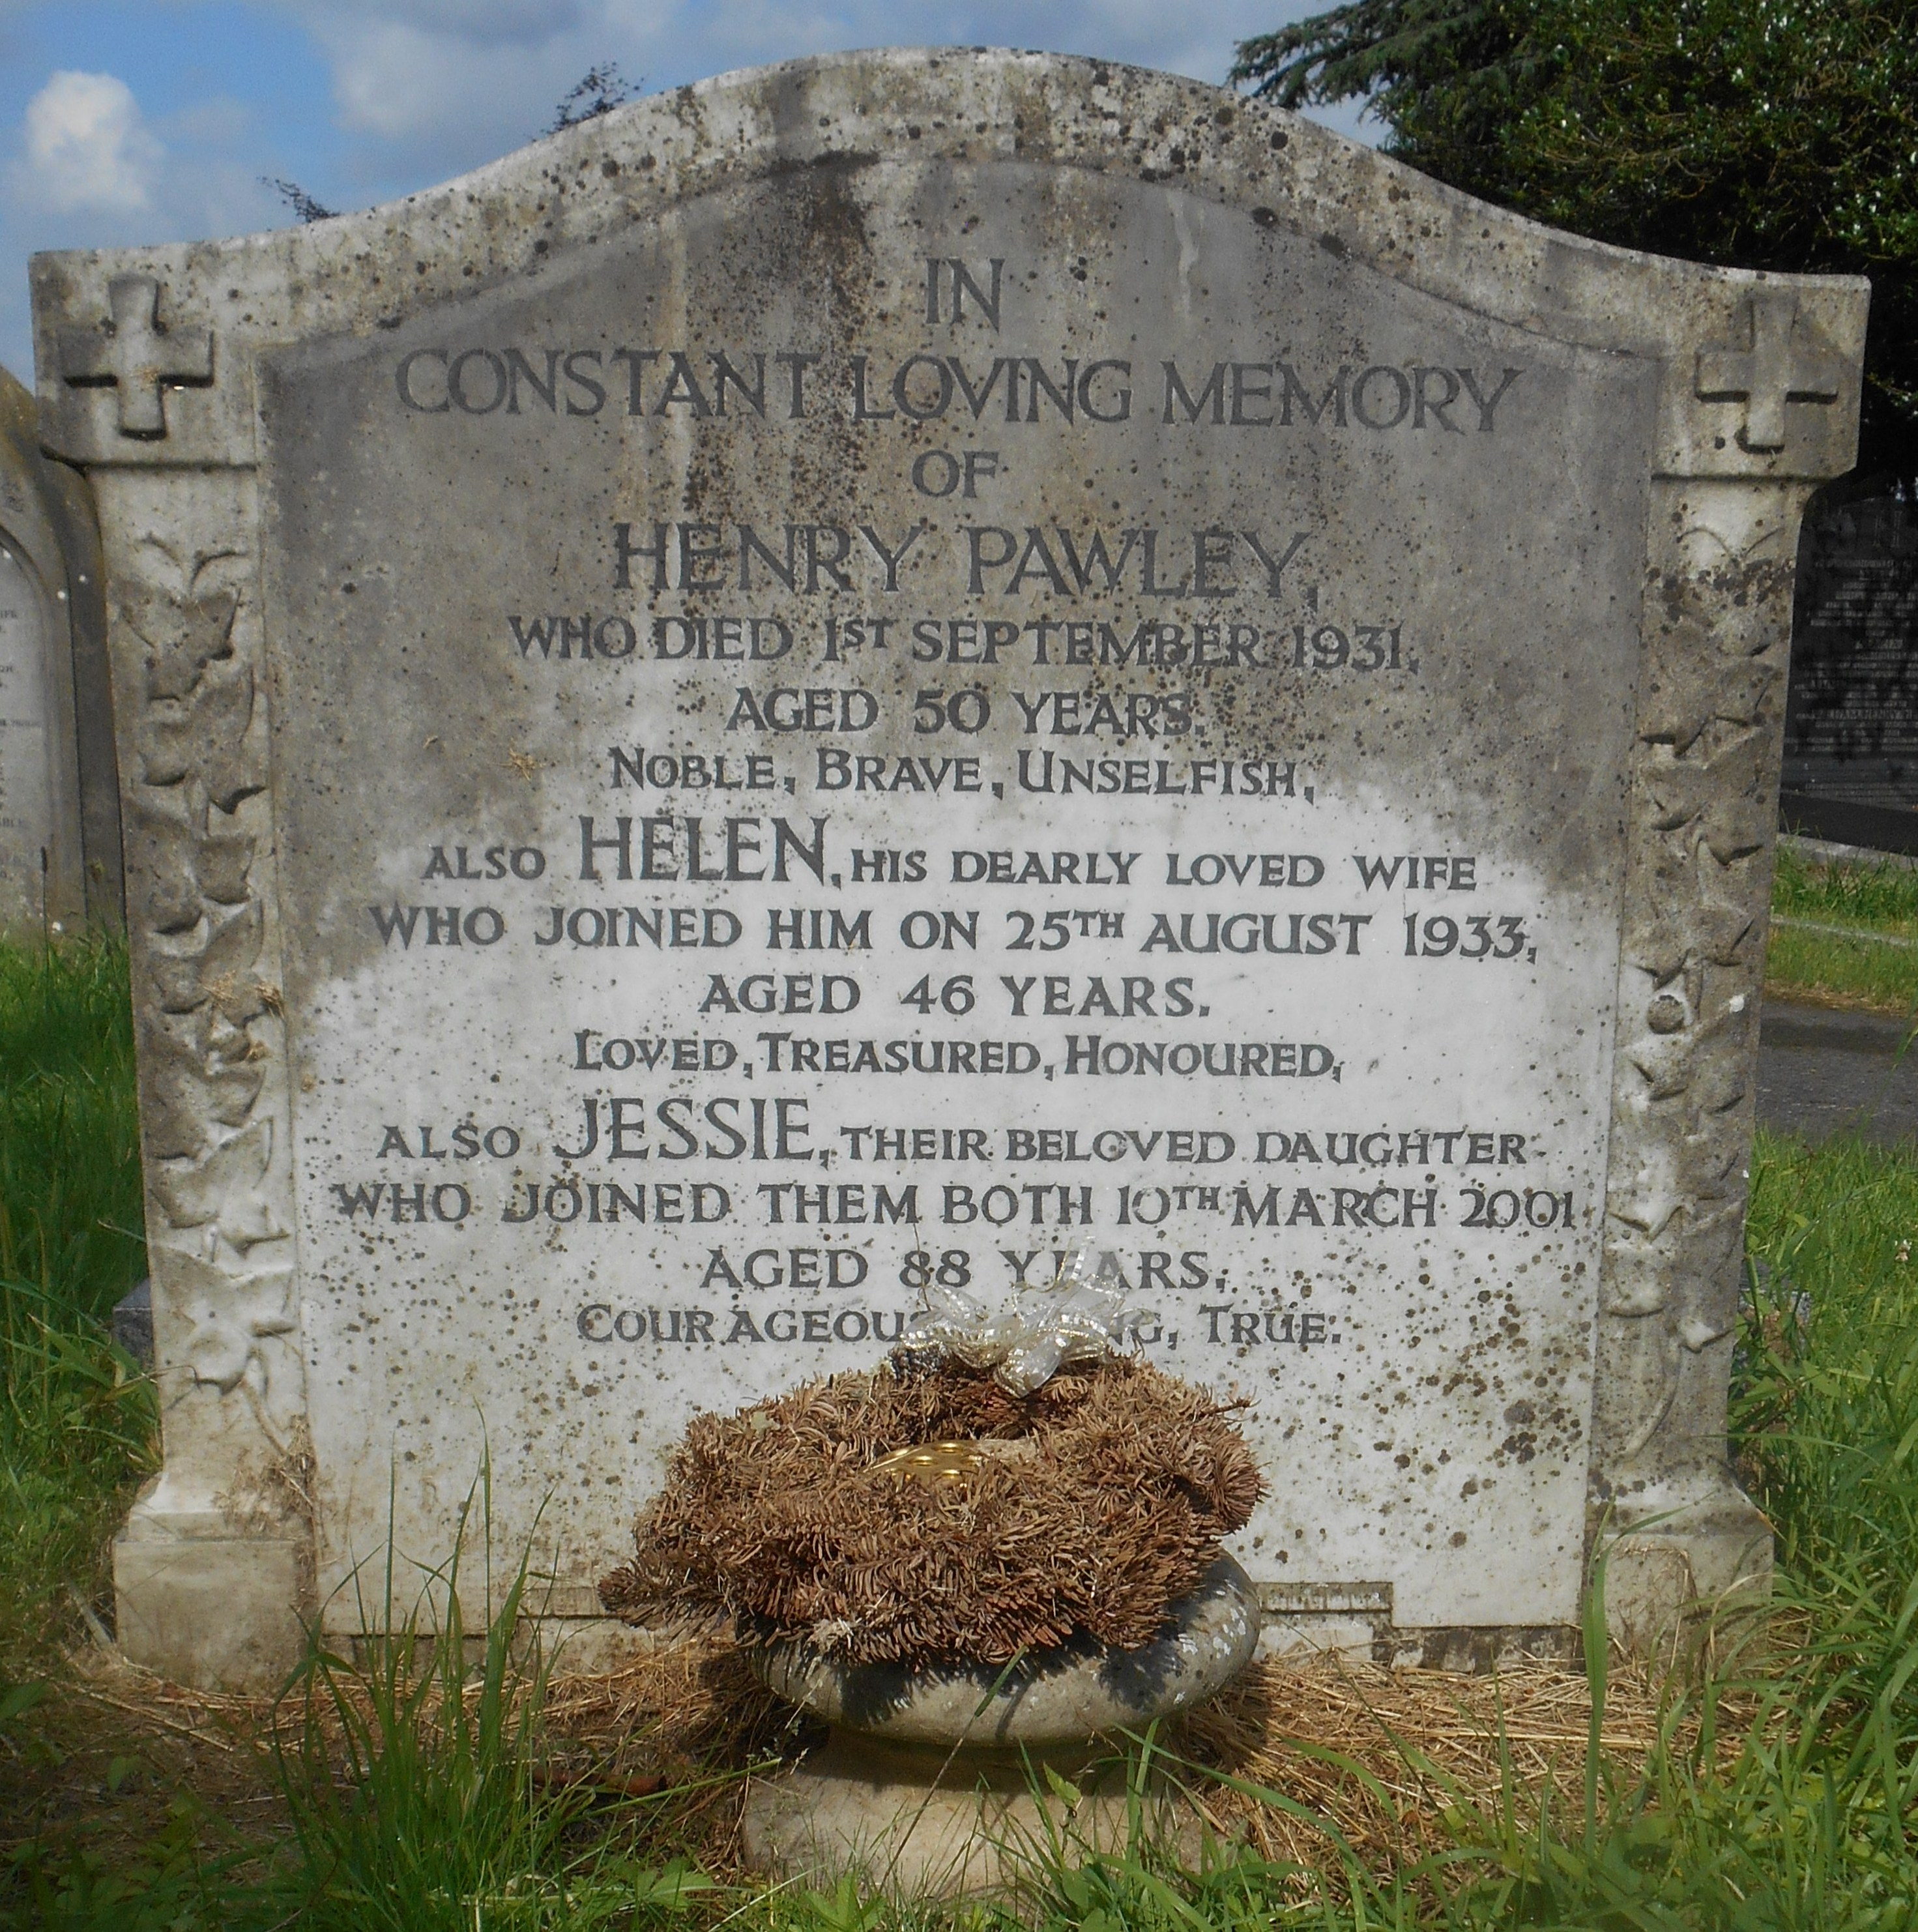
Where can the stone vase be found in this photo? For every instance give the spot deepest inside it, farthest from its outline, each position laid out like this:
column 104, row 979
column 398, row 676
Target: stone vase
column 948, row 1780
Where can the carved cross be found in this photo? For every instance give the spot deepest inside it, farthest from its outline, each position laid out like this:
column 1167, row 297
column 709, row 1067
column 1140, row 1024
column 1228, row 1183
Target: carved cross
column 1774, row 366
column 134, row 353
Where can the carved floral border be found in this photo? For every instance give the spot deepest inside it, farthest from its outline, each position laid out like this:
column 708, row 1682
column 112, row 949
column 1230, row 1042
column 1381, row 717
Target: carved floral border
column 185, row 628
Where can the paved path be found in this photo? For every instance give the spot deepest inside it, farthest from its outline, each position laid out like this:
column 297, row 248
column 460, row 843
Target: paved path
column 1821, row 1072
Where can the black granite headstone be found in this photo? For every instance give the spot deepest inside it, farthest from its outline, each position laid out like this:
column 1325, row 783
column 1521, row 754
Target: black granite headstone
column 1851, row 727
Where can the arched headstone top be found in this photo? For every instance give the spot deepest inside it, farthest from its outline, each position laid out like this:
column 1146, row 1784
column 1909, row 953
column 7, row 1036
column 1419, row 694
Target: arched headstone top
column 147, row 355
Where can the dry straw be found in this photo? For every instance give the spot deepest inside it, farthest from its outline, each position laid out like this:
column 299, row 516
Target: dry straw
column 1106, row 1504
column 1383, row 1760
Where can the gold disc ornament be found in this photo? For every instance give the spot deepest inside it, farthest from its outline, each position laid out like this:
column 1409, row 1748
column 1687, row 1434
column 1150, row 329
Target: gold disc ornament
column 931, row 1463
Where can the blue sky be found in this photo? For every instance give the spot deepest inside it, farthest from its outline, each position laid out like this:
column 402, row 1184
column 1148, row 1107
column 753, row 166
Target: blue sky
column 128, row 121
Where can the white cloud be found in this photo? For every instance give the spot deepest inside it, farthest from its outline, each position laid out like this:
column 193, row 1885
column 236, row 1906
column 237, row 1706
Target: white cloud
column 486, row 22
column 426, row 89
column 86, row 147
column 396, row 81
column 444, row 84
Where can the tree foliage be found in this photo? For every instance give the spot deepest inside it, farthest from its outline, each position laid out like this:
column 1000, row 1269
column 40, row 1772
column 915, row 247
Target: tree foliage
column 1777, row 134
column 304, row 206
column 599, row 91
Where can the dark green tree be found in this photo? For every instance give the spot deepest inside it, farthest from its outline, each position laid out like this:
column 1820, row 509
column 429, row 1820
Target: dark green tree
column 1777, row 134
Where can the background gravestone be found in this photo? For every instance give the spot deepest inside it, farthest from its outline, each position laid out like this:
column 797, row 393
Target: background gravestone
column 1851, row 727
column 886, row 669
column 59, row 795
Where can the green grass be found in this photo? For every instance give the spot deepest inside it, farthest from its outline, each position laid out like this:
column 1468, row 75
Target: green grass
column 416, row 1778
column 1877, row 901
column 76, row 1423
column 413, row 1774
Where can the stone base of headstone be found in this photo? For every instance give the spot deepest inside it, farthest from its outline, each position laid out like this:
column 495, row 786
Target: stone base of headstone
column 919, row 1821
column 1692, row 1562
column 197, row 1604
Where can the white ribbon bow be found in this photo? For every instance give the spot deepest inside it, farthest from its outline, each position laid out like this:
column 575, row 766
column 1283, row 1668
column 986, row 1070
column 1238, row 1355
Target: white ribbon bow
column 1076, row 1318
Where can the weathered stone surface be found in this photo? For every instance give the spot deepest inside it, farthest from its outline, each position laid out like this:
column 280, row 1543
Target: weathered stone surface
column 945, row 1781
column 455, row 545
column 915, row 1821
column 209, row 1608
column 1067, row 1696
column 59, row 795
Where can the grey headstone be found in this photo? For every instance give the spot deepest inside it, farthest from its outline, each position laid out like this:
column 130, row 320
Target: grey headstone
column 133, row 1324
column 59, row 792
column 1303, row 833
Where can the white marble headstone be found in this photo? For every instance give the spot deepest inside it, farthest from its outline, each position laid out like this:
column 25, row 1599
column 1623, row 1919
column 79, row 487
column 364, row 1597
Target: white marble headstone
column 899, row 667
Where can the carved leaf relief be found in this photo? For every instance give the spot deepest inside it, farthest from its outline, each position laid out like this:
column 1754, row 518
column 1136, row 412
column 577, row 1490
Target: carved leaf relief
column 184, row 862
column 174, row 1087
column 168, row 856
column 222, row 861
column 203, row 1069
column 215, row 960
column 205, row 735
column 183, row 633
column 223, row 1189
column 229, row 1317
column 1691, row 697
